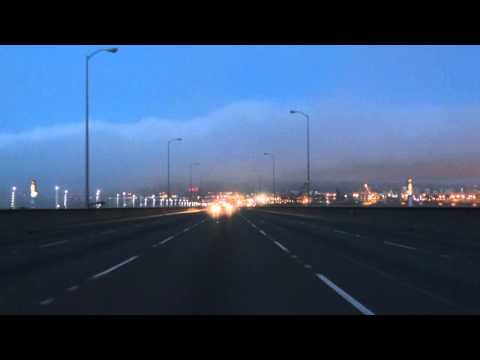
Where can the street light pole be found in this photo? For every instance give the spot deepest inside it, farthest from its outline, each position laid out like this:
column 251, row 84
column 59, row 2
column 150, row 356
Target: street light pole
column 273, row 177
column 168, row 166
column 308, row 147
column 87, row 109
column 57, row 205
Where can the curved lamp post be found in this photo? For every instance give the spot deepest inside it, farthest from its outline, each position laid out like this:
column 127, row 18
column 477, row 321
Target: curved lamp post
column 87, row 160
column 308, row 146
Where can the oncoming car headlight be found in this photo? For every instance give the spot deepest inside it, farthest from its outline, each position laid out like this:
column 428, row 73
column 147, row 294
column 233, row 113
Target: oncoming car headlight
column 215, row 209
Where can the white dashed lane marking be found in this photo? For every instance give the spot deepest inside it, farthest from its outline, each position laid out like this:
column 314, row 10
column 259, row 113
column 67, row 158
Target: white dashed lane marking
column 113, row 268
column 281, row 247
column 356, row 304
column 47, row 301
column 53, row 244
column 164, row 241
column 399, row 245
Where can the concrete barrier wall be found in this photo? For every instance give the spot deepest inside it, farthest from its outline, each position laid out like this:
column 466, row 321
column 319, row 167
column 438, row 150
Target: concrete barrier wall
column 25, row 221
column 464, row 222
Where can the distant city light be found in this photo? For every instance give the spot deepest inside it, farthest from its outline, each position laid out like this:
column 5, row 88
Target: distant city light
column 65, row 198
column 12, row 199
column 97, row 199
column 57, row 204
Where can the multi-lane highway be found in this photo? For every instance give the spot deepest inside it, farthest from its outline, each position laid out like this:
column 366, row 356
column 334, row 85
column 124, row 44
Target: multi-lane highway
column 254, row 262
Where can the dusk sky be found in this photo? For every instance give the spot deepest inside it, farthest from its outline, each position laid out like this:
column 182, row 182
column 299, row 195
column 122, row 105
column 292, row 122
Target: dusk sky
column 378, row 113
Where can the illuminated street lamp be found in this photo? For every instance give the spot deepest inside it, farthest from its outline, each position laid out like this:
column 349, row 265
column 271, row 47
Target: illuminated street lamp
column 12, row 199
column 57, row 205
column 124, row 194
column 308, row 147
column 273, row 176
column 87, row 164
column 153, row 200
column 33, row 193
column 168, row 166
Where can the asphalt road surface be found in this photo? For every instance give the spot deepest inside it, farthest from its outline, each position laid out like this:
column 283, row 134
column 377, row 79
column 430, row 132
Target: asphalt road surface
column 254, row 262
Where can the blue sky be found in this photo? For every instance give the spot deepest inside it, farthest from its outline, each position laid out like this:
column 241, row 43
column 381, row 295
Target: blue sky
column 43, row 85
column 385, row 100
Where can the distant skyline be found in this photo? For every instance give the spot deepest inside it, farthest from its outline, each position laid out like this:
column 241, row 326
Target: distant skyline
column 378, row 113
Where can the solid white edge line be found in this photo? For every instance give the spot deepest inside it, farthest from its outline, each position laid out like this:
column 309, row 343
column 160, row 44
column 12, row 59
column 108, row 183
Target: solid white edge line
column 53, row 244
column 345, row 295
column 113, row 268
column 281, row 246
column 399, row 245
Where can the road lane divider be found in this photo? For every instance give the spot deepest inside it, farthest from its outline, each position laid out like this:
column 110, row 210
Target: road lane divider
column 164, row 241
column 178, row 234
column 47, row 301
column 355, row 303
column 281, row 247
column 73, row 288
column 399, row 245
column 113, row 268
column 56, row 243
column 380, row 272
